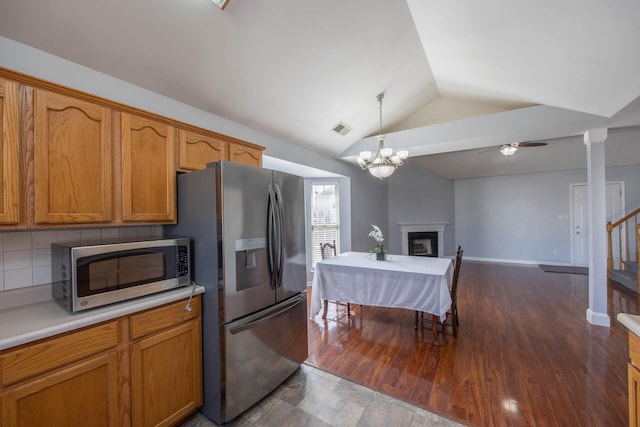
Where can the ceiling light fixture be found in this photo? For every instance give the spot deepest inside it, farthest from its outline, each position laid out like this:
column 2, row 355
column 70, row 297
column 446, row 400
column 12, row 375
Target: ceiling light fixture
column 221, row 3
column 508, row 149
column 384, row 162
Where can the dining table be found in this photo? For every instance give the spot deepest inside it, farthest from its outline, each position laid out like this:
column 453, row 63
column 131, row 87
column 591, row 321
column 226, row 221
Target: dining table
column 400, row 281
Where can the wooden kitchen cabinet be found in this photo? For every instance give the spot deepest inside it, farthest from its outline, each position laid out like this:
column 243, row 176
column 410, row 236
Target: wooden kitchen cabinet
column 140, row 370
column 72, row 160
column 247, row 155
column 10, row 202
column 148, row 170
column 633, row 370
column 166, row 364
column 71, row 379
column 196, row 150
column 634, row 395
column 84, row 394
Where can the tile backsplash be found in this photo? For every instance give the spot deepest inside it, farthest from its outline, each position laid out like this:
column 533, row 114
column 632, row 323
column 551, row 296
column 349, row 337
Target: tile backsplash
column 25, row 256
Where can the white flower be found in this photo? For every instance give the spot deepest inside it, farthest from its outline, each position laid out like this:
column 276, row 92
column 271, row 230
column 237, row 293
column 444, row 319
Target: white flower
column 376, row 234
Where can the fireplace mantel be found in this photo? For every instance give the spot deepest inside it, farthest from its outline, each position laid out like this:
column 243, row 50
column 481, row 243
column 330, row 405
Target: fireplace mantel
column 405, row 229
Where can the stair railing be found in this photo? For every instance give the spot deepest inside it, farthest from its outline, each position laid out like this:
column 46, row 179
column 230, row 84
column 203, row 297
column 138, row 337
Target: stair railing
column 631, row 223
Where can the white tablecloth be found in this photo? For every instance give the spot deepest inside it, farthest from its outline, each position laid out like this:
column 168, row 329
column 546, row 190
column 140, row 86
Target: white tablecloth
column 415, row 283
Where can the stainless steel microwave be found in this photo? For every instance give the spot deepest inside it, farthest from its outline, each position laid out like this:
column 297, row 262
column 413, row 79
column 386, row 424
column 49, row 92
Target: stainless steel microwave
column 92, row 275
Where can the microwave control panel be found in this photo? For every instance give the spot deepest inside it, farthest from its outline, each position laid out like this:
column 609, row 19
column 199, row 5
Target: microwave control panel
column 182, row 261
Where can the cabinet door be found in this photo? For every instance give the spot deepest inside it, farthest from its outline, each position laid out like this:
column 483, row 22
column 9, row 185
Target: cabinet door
column 148, row 170
column 166, row 375
column 9, row 153
column 85, row 394
column 246, row 155
column 634, row 395
column 197, row 150
column 73, row 160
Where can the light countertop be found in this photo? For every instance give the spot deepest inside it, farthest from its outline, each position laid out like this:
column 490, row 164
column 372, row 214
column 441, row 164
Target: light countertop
column 30, row 322
column 631, row 321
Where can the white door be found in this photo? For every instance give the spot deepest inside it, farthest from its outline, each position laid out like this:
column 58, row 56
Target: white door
column 580, row 226
column 615, row 211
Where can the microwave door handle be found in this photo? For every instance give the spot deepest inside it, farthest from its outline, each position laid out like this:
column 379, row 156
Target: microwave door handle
column 271, row 238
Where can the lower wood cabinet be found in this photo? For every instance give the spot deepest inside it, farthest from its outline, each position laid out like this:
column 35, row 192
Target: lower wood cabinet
column 166, row 364
column 634, row 395
column 144, row 369
column 165, row 376
column 83, row 394
column 633, row 370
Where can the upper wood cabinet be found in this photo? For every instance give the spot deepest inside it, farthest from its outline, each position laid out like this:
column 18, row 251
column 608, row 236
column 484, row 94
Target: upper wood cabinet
column 196, row 150
column 10, row 206
column 72, row 160
column 148, row 170
column 248, row 156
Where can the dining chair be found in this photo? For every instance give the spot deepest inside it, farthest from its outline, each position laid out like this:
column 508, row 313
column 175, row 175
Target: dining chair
column 328, row 250
column 452, row 313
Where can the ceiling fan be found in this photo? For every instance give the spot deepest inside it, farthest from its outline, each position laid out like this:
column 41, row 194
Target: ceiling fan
column 510, row 149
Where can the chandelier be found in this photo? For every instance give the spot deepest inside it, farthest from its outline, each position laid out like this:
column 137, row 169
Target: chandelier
column 384, row 162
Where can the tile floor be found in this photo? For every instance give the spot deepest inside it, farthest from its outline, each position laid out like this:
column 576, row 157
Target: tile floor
column 311, row 397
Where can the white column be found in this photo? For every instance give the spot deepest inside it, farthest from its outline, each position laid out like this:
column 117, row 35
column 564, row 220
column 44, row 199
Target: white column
column 597, row 311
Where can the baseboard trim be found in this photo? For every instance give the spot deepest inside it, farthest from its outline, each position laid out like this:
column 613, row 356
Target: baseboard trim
column 598, row 319
column 515, row 261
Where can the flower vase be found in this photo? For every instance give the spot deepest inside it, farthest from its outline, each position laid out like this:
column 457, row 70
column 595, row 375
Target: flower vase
column 380, row 256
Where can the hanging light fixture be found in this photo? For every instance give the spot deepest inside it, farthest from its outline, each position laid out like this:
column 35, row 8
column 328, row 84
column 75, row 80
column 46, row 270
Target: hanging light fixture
column 384, row 162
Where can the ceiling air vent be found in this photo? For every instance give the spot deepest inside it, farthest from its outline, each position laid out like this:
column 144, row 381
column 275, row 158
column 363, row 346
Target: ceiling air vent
column 342, row 129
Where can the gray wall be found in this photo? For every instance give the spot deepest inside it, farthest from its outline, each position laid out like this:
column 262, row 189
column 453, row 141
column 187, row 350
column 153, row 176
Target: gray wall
column 368, row 206
column 631, row 177
column 417, row 195
column 518, row 217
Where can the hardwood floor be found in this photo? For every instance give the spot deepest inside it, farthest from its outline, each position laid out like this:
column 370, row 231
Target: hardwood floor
column 525, row 354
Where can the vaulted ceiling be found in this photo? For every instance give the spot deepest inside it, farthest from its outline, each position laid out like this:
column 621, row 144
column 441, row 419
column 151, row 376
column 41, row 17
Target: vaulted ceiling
column 457, row 76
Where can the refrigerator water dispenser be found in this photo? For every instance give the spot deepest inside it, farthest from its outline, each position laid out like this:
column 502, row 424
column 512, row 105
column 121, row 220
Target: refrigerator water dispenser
column 251, row 262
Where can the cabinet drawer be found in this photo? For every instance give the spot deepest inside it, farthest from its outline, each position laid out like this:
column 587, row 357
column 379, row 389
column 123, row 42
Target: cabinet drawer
column 34, row 359
column 157, row 319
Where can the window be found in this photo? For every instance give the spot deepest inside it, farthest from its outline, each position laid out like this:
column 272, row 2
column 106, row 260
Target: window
column 325, row 227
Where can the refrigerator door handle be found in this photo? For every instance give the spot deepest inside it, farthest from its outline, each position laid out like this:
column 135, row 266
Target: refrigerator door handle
column 251, row 321
column 281, row 237
column 271, row 238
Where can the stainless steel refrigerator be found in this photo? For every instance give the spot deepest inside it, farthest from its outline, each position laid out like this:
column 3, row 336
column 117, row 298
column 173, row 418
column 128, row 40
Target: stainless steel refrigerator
column 247, row 229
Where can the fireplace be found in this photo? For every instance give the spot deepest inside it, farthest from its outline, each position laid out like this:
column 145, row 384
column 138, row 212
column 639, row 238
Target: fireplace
column 429, row 230
column 423, row 243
